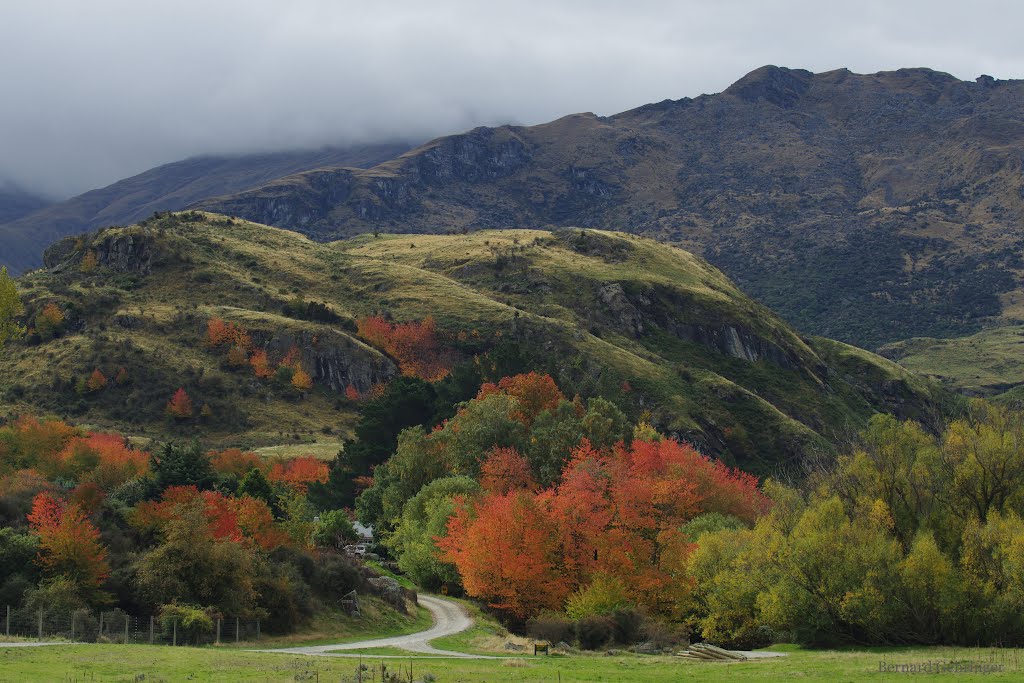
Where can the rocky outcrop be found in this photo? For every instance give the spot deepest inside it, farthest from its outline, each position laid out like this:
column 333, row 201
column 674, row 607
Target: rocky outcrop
column 613, row 297
column 336, row 360
column 735, row 341
column 120, row 251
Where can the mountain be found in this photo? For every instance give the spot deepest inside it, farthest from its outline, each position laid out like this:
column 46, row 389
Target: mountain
column 165, row 188
column 15, row 202
column 657, row 329
column 867, row 208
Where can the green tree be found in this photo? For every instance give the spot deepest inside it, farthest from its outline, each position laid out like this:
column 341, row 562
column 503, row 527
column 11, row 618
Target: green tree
column 10, row 308
column 182, row 465
column 424, row 518
column 406, row 402
column 255, row 485
column 191, row 567
column 334, row 530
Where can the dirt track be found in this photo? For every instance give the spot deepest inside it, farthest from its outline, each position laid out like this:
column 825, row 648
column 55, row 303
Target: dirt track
column 449, row 618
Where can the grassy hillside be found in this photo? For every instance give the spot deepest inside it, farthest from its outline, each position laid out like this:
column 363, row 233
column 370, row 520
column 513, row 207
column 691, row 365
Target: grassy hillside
column 863, row 207
column 987, row 363
column 655, row 328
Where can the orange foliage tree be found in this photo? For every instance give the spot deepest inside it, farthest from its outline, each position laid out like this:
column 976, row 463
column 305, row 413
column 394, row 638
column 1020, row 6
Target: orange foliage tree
column 69, row 544
column 49, row 321
column 180, row 405
column 504, row 470
column 614, row 513
column 535, row 392
column 413, row 344
column 97, row 380
column 506, row 550
column 301, row 380
column 241, row 520
column 103, row 459
column 261, row 364
column 235, row 461
column 300, row 472
column 221, row 333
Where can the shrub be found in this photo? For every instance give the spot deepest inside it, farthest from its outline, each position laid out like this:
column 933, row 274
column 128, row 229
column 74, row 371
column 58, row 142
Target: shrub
column 595, row 632
column 193, row 622
column 628, row 626
column 553, row 628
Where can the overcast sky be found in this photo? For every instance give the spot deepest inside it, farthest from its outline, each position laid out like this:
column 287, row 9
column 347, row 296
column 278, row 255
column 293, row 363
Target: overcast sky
column 94, row 91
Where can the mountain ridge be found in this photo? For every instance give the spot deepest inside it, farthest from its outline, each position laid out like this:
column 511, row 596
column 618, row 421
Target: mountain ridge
column 887, row 201
column 168, row 187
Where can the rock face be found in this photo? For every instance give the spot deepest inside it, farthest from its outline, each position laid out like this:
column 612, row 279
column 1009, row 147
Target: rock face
column 121, row 251
column 867, row 208
column 338, row 361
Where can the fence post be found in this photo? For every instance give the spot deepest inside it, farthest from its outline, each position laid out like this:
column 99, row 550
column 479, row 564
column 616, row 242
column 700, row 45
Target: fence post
column 150, row 629
column 8, row 621
column 236, row 626
column 40, row 624
column 126, row 629
column 257, row 630
column 99, row 632
column 175, row 641
column 72, row 626
column 218, row 630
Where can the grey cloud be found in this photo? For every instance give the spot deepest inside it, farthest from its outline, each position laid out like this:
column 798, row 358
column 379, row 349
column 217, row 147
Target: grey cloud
column 95, row 91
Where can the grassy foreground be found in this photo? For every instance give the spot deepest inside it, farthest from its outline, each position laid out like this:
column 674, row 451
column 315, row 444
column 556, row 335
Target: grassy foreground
column 129, row 663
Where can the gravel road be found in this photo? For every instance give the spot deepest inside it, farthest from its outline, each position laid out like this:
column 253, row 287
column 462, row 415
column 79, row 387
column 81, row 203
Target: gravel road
column 449, row 618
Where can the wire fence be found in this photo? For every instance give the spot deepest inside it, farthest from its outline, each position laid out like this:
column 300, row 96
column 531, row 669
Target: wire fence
column 117, row 626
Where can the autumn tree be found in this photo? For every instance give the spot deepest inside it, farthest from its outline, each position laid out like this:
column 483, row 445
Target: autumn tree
column 261, row 366
column 413, row 344
column 10, row 308
column 301, row 380
column 235, row 461
column 89, row 262
column 191, row 566
column 97, row 380
column 220, row 333
column 299, row 472
column 69, row 543
column 49, row 321
column 506, row 550
column 180, row 405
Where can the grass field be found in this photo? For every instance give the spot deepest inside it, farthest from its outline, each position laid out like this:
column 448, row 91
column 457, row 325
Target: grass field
column 986, row 363
column 119, row 663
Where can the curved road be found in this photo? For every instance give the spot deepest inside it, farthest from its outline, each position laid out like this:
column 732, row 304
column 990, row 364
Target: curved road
column 449, row 618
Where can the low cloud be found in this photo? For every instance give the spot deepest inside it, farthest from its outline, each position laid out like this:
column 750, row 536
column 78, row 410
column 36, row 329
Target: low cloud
column 96, row 91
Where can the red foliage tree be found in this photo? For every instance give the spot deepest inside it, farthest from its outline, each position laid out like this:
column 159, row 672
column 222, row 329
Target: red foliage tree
column 103, row 459
column 180, row 405
column 240, row 520
column 97, row 380
column 413, row 344
column 299, row 472
column 614, row 513
column 69, row 543
column 504, row 470
column 351, row 393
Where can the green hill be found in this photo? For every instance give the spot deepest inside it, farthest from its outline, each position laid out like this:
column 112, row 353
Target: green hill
column 656, row 329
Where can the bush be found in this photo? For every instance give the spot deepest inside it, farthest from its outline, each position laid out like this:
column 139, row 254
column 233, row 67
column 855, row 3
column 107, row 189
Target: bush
column 553, row 628
column 595, row 632
column 334, row 577
column 628, row 626
column 194, row 623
